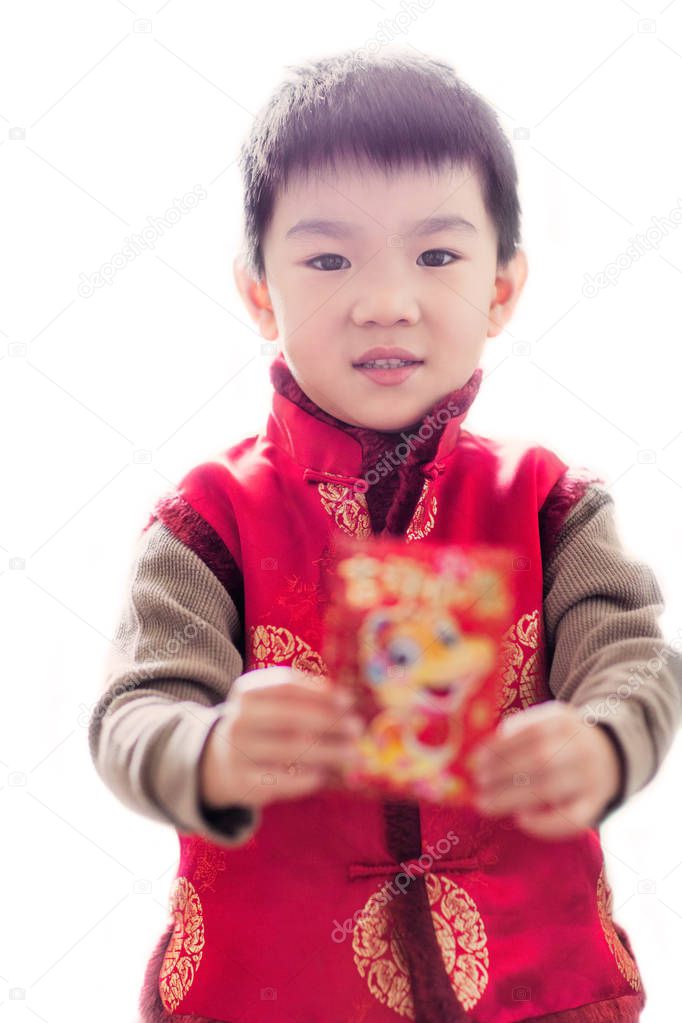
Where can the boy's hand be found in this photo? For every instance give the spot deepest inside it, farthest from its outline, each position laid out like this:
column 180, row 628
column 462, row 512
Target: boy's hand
column 283, row 735
column 549, row 769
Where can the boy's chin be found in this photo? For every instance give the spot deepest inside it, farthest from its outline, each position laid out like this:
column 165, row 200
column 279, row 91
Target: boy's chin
column 388, row 419
column 383, row 425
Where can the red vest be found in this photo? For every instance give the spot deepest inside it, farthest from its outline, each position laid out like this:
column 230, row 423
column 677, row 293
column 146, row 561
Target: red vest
column 302, row 923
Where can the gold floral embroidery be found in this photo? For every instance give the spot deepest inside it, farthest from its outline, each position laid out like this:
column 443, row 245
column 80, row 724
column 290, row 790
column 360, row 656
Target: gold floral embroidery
column 624, row 960
column 521, row 670
column 210, row 860
column 460, row 933
column 186, row 945
column 424, row 517
column 348, row 508
column 299, row 596
column 275, row 644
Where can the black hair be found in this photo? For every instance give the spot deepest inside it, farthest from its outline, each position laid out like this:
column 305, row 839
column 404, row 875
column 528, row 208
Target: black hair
column 387, row 112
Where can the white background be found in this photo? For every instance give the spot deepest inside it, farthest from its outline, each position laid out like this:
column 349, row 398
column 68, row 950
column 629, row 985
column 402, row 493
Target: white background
column 102, row 126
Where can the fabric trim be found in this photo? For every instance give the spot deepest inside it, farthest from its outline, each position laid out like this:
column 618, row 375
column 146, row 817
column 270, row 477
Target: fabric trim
column 188, row 526
column 570, row 488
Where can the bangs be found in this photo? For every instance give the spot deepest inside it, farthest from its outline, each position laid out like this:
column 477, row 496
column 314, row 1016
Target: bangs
column 386, row 114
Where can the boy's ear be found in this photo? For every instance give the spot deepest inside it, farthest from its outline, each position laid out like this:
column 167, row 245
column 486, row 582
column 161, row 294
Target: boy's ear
column 509, row 284
column 256, row 299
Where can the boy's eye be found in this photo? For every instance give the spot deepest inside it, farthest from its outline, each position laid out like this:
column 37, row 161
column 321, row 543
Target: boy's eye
column 429, row 253
column 439, row 252
column 326, row 255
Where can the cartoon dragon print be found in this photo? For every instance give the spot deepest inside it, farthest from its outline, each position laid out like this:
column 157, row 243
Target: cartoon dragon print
column 421, row 670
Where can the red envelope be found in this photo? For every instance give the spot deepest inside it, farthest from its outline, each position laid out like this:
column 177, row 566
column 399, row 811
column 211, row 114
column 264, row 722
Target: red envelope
column 415, row 630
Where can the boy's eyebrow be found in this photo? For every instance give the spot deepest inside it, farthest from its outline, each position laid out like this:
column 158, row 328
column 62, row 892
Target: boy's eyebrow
column 342, row 229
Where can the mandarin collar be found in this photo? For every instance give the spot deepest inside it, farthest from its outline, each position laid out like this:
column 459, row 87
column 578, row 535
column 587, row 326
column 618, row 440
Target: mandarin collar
column 329, row 448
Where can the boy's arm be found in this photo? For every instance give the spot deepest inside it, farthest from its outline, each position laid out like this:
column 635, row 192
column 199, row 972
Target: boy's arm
column 172, row 664
column 608, row 658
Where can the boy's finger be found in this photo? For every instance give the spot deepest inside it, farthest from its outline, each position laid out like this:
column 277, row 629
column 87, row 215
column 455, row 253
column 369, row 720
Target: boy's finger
column 539, row 723
column 526, row 760
column 306, row 722
column 330, row 749
column 281, row 781
column 538, row 713
column 502, row 752
column 528, row 791
column 318, row 691
column 557, row 822
column 494, row 766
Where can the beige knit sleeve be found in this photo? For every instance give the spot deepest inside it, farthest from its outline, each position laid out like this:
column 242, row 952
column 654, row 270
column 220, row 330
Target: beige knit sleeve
column 606, row 649
column 173, row 660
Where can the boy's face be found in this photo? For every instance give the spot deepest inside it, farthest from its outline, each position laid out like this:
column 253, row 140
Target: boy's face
column 384, row 278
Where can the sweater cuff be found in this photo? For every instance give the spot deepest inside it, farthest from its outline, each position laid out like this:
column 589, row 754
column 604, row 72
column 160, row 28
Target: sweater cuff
column 175, row 780
column 232, row 820
column 629, row 734
column 619, row 798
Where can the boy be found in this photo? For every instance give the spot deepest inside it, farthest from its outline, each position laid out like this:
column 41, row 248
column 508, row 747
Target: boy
column 381, row 249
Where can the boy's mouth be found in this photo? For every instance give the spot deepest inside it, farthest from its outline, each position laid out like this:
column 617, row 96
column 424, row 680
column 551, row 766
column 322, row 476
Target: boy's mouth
column 388, row 372
column 386, row 357
column 387, row 366
column 386, row 363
